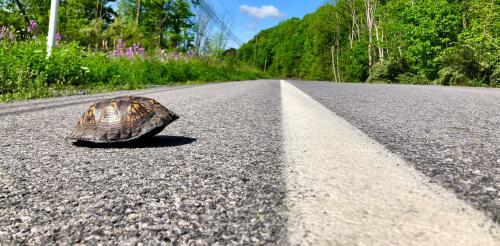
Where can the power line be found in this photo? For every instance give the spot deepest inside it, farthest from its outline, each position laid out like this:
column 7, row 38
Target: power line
column 213, row 16
column 212, row 13
column 226, row 11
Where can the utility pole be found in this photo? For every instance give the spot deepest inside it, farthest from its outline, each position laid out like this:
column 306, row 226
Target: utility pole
column 51, row 38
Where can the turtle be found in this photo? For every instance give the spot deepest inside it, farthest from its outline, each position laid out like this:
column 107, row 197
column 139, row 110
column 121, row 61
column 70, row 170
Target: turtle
column 122, row 119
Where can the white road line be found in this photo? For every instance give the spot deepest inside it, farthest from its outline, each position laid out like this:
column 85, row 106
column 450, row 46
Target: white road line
column 346, row 189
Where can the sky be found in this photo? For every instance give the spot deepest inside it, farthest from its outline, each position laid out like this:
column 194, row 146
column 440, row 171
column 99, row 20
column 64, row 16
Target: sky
column 248, row 17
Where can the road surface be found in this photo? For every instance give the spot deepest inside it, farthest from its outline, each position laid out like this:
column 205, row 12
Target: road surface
column 237, row 168
column 450, row 134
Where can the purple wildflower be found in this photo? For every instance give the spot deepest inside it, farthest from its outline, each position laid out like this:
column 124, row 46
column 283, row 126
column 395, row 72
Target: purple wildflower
column 58, row 38
column 130, row 52
column 32, row 26
column 122, row 51
column 3, row 31
column 138, row 50
column 7, row 34
column 12, row 37
column 141, row 52
column 120, row 45
column 119, row 50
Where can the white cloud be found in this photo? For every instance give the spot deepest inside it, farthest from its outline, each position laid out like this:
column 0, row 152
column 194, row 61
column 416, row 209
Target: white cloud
column 262, row 12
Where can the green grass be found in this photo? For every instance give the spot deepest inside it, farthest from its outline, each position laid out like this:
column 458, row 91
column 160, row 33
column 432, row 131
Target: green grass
column 25, row 73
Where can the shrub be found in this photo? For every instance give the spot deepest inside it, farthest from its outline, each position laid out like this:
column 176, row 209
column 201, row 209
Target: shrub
column 65, row 66
column 20, row 64
column 410, row 78
column 495, row 77
column 465, row 65
column 25, row 72
column 384, row 71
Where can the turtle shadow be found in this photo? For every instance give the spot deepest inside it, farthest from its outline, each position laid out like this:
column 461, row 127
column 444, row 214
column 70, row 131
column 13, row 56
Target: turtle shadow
column 160, row 141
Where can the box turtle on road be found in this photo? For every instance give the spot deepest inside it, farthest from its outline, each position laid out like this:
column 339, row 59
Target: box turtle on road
column 122, row 119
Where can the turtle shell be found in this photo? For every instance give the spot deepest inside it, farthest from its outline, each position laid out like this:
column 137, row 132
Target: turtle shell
column 122, row 119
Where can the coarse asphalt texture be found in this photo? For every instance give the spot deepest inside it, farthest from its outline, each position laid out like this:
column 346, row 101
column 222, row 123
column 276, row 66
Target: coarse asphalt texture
column 213, row 176
column 451, row 134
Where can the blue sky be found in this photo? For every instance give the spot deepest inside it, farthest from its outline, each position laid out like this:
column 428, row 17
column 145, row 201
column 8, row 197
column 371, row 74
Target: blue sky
column 251, row 16
column 248, row 17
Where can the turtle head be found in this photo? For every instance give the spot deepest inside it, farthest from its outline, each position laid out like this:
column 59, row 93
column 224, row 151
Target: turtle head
column 172, row 115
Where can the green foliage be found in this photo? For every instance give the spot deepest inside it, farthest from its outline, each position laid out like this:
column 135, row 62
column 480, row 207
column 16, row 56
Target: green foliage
column 384, row 72
column 169, row 20
column 467, row 65
column 21, row 65
column 25, row 72
column 95, row 24
column 495, row 77
column 354, row 63
column 425, row 28
column 92, row 32
column 65, row 66
column 459, row 66
column 410, row 78
column 449, row 42
column 304, row 53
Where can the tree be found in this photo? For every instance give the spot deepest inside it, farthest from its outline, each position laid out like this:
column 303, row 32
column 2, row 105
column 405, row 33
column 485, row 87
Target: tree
column 218, row 44
column 169, row 19
column 396, row 41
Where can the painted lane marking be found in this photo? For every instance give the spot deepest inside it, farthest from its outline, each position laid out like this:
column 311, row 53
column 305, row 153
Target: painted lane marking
column 346, row 189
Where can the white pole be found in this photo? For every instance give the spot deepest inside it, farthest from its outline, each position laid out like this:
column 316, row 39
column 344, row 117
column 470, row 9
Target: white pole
column 51, row 38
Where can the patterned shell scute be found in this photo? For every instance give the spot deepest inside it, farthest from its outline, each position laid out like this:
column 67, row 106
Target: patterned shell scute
column 122, row 119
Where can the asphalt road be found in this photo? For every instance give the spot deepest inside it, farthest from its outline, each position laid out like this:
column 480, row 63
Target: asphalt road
column 216, row 174
column 212, row 176
column 450, row 134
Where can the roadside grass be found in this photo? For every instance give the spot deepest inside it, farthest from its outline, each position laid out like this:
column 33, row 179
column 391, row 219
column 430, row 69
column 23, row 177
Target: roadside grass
column 26, row 73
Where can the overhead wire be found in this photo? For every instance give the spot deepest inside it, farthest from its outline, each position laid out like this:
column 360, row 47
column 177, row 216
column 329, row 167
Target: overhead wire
column 213, row 16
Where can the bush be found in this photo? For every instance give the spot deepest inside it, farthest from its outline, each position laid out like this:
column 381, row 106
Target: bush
column 26, row 73
column 20, row 64
column 452, row 76
column 462, row 65
column 495, row 77
column 384, row 71
column 65, row 66
column 410, row 78
column 354, row 63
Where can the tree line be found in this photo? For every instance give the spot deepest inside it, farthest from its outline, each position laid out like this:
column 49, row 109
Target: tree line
column 448, row 42
column 105, row 45
column 100, row 24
